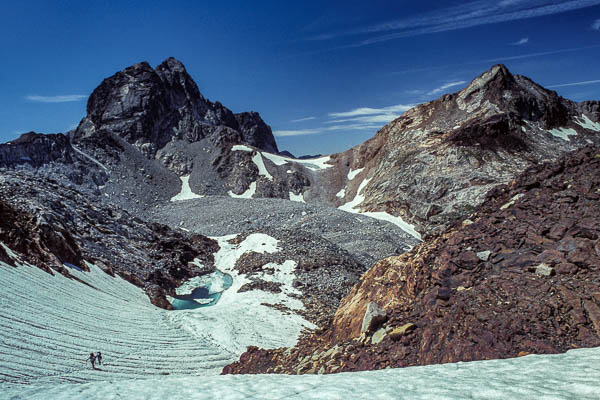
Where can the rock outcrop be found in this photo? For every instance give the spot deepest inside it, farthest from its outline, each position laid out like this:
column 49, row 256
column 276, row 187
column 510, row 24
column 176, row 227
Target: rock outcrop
column 518, row 276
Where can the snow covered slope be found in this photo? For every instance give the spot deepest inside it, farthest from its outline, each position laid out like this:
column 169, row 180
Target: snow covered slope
column 573, row 375
column 49, row 324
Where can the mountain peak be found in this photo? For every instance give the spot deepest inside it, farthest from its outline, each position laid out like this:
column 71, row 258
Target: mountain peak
column 171, row 65
column 497, row 78
column 151, row 107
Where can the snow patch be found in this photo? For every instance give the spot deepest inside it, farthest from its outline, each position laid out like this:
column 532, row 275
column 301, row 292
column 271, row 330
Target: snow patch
column 562, row 133
column 358, row 199
column 312, row 163
column 352, row 174
column 262, row 170
column 587, row 123
column 247, row 194
column 186, row 192
column 297, row 197
column 256, row 159
column 341, row 193
column 512, row 201
column 92, row 159
column 241, row 147
column 398, row 221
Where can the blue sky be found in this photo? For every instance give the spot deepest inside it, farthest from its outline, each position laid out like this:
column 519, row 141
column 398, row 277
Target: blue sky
column 326, row 75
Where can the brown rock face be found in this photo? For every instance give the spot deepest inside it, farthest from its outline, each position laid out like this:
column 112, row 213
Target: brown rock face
column 536, row 291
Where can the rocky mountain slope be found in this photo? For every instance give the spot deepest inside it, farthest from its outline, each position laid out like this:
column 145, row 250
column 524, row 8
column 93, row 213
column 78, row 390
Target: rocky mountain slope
column 58, row 228
column 518, row 276
column 143, row 130
column 435, row 163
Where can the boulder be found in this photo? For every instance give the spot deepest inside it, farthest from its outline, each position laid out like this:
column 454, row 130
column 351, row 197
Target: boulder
column 374, row 317
column 400, row 331
column 484, row 255
column 543, row 270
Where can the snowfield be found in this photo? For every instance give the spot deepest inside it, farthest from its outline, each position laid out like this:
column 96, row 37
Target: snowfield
column 573, row 375
column 243, row 319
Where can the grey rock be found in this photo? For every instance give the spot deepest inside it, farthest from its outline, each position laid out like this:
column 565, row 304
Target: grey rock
column 379, row 335
column 484, row 255
column 543, row 270
column 374, row 317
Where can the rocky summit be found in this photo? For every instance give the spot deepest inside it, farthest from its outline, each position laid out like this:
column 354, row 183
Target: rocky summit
column 519, row 275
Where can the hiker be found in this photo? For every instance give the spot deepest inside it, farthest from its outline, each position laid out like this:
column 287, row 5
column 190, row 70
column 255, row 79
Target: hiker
column 92, row 359
column 99, row 358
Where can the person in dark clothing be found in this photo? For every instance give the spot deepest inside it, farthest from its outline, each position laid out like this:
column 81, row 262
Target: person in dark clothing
column 92, row 359
column 99, row 358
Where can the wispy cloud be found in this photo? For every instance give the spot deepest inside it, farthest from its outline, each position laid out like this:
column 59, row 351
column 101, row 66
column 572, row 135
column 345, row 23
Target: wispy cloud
column 368, row 119
column 596, row 25
column 371, row 111
column 296, row 132
column 303, row 119
column 56, row 99
column 358, row 119
column 498, row 59
column 446, row 86
column 460, row 16
column 344, row 128
column 521, row 42
column 575, row 84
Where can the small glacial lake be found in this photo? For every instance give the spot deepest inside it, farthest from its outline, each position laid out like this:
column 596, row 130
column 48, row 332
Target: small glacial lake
column 201, row 291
